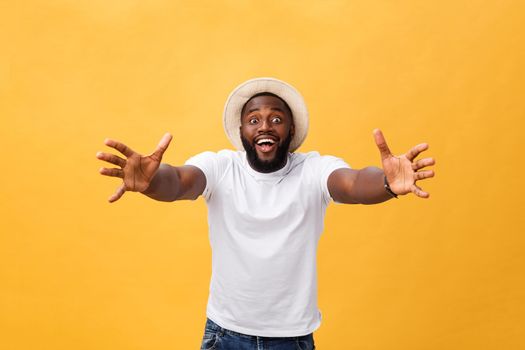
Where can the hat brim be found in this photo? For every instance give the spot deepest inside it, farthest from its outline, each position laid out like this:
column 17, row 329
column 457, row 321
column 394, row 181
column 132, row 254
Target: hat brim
column 242, row 93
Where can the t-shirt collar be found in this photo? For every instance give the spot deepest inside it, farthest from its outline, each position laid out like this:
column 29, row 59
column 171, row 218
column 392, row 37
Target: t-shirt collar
column 273, row 175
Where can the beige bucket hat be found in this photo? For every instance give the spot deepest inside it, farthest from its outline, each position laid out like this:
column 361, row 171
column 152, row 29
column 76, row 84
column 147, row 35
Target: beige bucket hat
column 242, row 93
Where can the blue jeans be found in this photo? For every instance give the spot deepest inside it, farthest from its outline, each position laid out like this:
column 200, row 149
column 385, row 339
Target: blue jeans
column 218, row 338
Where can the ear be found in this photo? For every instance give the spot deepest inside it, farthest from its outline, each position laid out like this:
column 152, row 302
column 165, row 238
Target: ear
column 292, row 130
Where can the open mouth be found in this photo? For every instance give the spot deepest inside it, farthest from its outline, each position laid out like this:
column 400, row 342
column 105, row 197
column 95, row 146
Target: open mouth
column 265, row 145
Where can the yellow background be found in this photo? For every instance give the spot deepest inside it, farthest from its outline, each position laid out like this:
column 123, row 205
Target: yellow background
column 79, row 273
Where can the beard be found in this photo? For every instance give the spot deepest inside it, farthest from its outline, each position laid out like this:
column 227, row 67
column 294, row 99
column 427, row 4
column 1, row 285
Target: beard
column 267, row 166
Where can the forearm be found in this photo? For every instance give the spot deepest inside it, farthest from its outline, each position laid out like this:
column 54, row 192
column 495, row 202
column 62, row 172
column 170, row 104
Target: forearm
column 165, row 185
column 368, row 186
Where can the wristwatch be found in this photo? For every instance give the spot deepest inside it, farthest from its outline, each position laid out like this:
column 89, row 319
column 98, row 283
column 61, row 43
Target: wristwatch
column 389, row 190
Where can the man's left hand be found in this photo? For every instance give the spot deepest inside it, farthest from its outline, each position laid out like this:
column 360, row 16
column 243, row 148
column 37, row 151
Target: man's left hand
column 403, row 171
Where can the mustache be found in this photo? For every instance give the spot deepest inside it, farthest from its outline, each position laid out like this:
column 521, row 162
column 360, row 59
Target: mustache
column 267, row 166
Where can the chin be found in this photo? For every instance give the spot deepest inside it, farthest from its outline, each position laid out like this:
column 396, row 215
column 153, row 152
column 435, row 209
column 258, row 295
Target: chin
column 266, row 158
column 274, row 163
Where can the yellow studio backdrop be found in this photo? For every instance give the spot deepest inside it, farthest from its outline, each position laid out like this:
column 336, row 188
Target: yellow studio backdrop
column 411, row 274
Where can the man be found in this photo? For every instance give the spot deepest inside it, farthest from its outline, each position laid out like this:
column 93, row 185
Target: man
column 266, row 211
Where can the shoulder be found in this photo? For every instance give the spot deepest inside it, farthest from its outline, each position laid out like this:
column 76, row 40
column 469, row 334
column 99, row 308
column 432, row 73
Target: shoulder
column 228, row 157
column 308, row 157
column 229, row 154
column 224, row 154
column 313, row 158
column 216, row 162
column 319, row 166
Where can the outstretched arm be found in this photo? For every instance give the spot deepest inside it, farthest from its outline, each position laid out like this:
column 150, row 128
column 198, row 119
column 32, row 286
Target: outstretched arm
column 367, row 186
column 146, row 174
column 174, row 183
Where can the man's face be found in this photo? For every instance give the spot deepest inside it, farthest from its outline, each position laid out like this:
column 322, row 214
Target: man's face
column 266, row 132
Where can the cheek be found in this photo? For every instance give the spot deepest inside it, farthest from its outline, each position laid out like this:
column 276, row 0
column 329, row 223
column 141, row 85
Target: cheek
column 246, row 132
column 284, row 131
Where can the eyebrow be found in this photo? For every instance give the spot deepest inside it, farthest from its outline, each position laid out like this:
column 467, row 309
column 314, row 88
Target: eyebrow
column 272, row 109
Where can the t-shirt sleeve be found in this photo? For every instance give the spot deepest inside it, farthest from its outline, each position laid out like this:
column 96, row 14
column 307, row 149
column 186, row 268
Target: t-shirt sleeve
column 327, row 165
column 213, row 166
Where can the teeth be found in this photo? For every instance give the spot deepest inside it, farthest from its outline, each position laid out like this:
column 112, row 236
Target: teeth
column 265, row 140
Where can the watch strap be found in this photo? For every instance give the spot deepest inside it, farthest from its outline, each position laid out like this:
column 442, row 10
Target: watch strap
column 389, row 190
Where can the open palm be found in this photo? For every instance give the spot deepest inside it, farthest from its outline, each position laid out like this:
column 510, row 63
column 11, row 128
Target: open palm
column 136, row 171
column 403, row 171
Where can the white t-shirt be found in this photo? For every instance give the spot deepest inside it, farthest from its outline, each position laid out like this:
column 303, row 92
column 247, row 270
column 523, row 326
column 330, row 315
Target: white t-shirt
column 264, row 230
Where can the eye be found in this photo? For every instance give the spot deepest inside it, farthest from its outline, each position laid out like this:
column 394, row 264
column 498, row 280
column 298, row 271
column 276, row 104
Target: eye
column 252, row 121
column 276, row 120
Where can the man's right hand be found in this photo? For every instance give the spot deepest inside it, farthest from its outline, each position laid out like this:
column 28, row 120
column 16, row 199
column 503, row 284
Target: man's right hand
column 136, row 171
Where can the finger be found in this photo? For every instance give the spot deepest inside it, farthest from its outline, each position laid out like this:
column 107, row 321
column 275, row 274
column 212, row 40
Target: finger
column 119, row 146
column 425, row 174
column 414, row 152
column 111, row 158
column 419, row 192
column 381, row 144
column 423, row 163
column 162, row 146
column 112, row 172
column 118, row 193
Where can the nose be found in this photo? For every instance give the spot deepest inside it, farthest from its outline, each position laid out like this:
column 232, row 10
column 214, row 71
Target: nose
column 265, row 125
